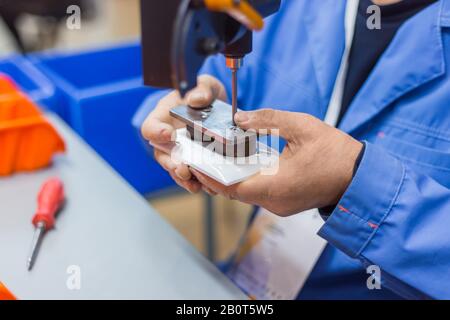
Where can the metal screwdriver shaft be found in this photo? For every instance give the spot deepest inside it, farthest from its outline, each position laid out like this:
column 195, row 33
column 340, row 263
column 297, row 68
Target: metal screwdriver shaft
column 35, row 245
column 234, row 94
column 234, row 64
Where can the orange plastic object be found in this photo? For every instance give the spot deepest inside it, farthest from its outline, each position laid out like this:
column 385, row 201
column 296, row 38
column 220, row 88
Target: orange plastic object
column 5, row 294
column 6, row 84
column 242, row 11
column 27, row 140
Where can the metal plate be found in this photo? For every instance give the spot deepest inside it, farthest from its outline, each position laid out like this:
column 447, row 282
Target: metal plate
column 214, row 120
column 214, row 124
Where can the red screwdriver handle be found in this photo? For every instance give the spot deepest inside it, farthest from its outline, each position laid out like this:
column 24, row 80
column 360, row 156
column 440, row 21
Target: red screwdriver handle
column 50, row 199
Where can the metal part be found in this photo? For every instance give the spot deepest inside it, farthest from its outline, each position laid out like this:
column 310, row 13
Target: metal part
column 234, row 93
column 234, row 63
column 213, row 124
column 36, row 243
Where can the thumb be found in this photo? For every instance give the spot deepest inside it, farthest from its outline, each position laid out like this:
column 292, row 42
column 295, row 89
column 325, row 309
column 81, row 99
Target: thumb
column 208, row 89
column 269, row 121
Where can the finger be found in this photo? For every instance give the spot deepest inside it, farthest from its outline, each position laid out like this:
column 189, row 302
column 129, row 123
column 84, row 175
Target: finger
column 158, row 126
column 282, row 123
column 182, row 171
column 157, row 131
column 209, row 191
column 211, row 184
column 165, row 160
column 191, row 186
column 208, row 89
column 253, row 191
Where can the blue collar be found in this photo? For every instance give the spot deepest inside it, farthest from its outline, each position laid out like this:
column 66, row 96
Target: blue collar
column 414, row 58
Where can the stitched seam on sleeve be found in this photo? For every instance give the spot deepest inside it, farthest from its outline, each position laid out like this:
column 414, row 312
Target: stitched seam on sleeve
column 347, row 211
column 389, row 209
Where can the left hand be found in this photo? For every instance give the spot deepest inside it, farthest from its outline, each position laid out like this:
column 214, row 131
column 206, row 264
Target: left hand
column 315, row 167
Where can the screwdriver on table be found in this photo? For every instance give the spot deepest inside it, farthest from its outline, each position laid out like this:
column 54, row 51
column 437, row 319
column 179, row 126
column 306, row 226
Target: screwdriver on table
column 50, row 200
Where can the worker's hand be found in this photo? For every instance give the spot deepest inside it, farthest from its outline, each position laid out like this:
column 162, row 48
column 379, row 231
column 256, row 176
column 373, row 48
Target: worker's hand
column 315, row 167
column 159, row 127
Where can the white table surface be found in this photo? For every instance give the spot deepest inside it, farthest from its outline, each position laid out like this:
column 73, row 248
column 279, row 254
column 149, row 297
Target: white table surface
column 122, row 247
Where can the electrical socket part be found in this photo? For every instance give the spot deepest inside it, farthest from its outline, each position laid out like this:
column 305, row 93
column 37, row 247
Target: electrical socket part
column 214, row 124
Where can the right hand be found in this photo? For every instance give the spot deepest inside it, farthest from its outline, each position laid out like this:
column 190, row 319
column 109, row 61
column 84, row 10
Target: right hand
column 159, row 127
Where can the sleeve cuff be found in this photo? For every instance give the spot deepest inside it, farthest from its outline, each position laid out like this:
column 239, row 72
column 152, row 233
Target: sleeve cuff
column 146, row 107
column 366, row 203
column 325, row 212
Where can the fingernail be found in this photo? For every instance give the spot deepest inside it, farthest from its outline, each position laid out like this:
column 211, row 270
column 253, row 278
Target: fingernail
column 241, row 117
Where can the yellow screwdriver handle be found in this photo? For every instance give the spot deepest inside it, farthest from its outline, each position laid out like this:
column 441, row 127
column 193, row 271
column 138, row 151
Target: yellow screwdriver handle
column 240, row 10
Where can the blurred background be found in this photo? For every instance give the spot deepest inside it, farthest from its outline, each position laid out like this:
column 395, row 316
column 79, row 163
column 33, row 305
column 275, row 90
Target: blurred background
column 214, row 226
column 33, row 25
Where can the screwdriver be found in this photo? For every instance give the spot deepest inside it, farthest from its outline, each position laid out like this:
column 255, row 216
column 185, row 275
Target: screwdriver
column 234, row 64
column 50, row 200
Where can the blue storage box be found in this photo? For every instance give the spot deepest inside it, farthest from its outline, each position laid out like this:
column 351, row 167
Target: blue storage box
column 101, row 91
column 30, row 80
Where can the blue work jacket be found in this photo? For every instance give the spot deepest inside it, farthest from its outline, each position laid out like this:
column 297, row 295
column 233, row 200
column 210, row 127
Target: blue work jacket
column 396, row 212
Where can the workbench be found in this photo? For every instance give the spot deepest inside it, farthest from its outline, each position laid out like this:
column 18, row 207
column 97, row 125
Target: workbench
column 108, row 242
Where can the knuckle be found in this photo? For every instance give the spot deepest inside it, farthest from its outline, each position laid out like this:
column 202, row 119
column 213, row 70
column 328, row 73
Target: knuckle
column 232, row 195
column 305, row 119
column 229, row 193
column 266, row 114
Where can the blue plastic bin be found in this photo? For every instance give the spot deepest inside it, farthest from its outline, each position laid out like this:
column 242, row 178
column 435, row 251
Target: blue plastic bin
column 30, row 80
column 102, row 90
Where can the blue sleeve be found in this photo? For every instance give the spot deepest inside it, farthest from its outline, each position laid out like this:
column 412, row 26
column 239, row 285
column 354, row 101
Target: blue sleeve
column 146, row 107
column 398, row 220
